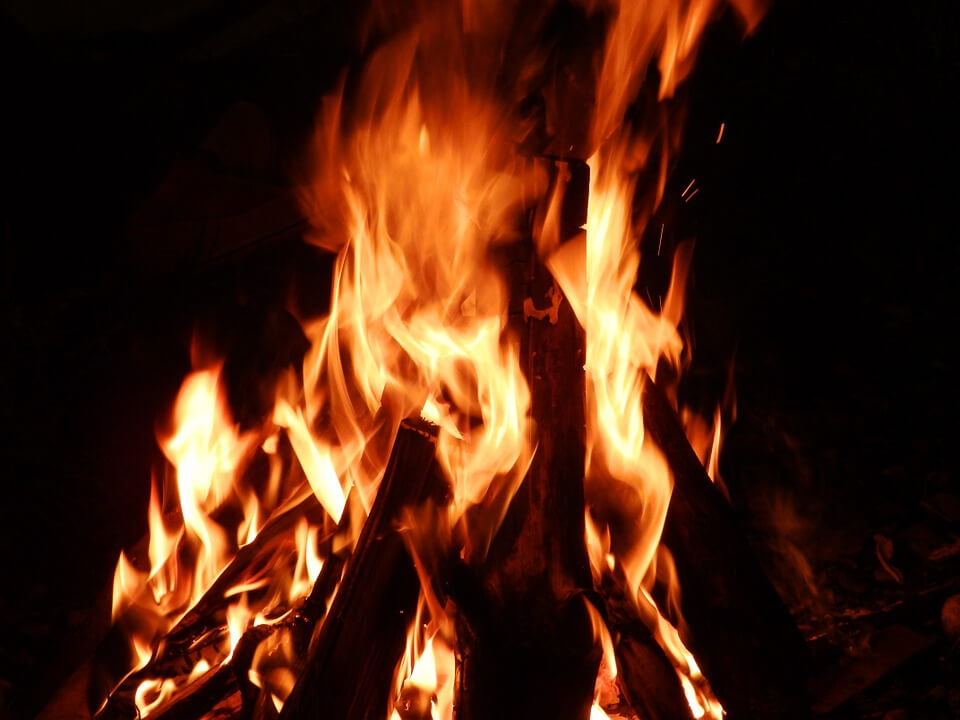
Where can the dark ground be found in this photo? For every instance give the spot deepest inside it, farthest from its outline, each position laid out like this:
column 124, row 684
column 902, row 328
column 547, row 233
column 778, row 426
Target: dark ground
column 826, row 254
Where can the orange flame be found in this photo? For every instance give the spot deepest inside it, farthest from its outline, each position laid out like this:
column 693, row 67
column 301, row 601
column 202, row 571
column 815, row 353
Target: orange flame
column 625, row 339
column 417, row 182
column 419, row 192
column 424, row 678
column 188, row 550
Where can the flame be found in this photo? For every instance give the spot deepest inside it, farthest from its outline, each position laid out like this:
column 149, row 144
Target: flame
column 706, row 439
column 206, row 451
column 413, row 198
column 667, row 33
column 314, row 457
column 127, row 582
column 238, row 617
column 189, row 549
column 598, row 713
column 152, row 693
column 309, row 562
column 605, row 689
column 270, row 669
column 424, row 678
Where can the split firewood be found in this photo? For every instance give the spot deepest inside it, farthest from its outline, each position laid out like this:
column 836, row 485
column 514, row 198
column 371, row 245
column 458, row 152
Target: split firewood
column 349, row 670
column 741, row 633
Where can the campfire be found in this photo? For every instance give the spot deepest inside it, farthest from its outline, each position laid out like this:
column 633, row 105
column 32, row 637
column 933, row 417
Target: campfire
column 476, row 497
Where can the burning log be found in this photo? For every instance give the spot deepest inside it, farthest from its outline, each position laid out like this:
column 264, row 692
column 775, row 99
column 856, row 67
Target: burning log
column 349, row 669
column 740, row 631
column 187, row 640
column 207, row 613
column 202, row 695
column 378, row 568
column 198, row 634
column 528, row 651
column 228, row 688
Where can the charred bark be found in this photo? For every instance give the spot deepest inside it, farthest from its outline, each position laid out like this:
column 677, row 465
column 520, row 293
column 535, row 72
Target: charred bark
column 350, row 667
column 741, row 634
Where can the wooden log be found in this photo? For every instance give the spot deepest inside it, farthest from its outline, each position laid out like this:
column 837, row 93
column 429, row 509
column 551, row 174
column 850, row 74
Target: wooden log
column 528, row 651
column 349, row 671
column 741, row 634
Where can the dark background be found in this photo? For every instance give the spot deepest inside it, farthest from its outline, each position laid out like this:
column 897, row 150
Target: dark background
column 137, row 188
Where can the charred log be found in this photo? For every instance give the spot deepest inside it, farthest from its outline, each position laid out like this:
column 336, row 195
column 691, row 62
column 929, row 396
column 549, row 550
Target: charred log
column 198, row 635
column 741, row 633
column 350, row 666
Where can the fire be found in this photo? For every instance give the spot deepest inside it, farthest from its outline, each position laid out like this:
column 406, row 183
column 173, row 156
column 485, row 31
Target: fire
column 192, row 543
column 270, row 669
column 314, row 457
column 425, row 675
column 417, row 183
column 420, row 194
column 207, row 451
column 625, row 339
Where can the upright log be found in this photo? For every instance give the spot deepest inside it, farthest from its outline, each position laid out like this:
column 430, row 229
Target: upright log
column 533, row 654
column 741, row 633
column 350, row 667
